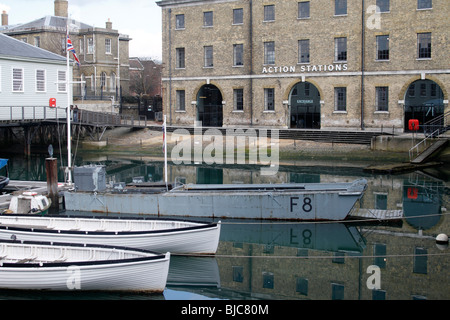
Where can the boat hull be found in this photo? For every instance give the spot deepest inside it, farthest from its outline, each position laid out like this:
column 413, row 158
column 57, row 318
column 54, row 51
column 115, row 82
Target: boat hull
column 179, row 236
column 313, row 202
column 142, row 273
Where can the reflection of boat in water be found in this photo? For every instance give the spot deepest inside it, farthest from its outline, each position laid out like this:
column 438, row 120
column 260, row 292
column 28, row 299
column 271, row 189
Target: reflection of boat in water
column 308, row 201
column 4, row 180
column 331, row 237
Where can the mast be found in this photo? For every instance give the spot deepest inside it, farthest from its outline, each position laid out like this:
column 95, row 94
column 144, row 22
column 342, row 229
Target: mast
column 68, row 89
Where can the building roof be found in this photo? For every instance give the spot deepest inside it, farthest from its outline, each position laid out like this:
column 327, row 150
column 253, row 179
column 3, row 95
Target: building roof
column 16, row 48
column 49, row 23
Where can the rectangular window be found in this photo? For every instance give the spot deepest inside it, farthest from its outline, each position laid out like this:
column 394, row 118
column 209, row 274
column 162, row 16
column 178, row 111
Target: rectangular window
column 420, row 260
column 238, row 16
column 238, row 95
column 382, row 98
column 40, row 81
column 302, row 286
column 303, row 10
column 340, row 7
column 269, row 52
column 208, row 57
column 108, row 46
column 90, row 46
column 303, row 51
column 238, row 54
column 269, row 99
column 337, row 291
column 379, row 252
column 61, row 81
column 383, row 5
column 208, row 19
column 179, row 21
column 383, row 47
column 424, row 4
column 340, row 49
column 81, row 46
column 340, row 99
column 180, row 63
column 424, row 45
column 269, row 13
column 37, row 42
column 181, row 100
column 18, row 80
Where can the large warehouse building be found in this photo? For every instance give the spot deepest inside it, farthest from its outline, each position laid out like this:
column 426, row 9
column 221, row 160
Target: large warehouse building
column 318, row 64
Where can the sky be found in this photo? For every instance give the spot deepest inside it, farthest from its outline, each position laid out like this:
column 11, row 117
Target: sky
column 140, row 19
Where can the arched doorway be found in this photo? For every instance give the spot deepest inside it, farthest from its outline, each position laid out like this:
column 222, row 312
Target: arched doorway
column 424, row 101
column 209, row 106
column 304, row 101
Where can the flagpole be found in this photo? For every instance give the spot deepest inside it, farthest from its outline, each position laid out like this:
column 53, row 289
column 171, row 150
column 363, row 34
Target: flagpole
column 165, row 151
column 69, row 142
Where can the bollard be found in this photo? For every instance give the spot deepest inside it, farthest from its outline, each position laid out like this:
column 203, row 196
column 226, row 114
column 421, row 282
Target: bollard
column 51, row 166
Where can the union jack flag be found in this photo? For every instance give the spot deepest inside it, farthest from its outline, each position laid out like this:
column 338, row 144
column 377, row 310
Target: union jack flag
column 70, row 48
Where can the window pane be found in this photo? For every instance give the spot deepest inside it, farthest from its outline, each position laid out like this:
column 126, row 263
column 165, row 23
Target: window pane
column 238, row 99
column 269, row 52
column 180, row 21
column 424, row 4
column 383, row 47
column 340, row 49
column 383, row 5
column 180, row 63
column 238, row 54
column 181, row 100
column 420, row 260
column 303, row 10
column 340, row 7
column 424, row 45
column 269, row 13
column 208, row 56
column 340, row 99
column 303, row 51
column 208, row 19
column 238, row 16
column 269, row 99
column 382, row 100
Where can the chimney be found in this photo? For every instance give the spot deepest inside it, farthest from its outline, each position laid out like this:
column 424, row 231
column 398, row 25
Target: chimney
column 4, row 18
column 109, row 24
column 62, row 8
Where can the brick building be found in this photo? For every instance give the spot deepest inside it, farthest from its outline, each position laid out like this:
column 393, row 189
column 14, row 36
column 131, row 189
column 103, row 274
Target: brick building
column 103, row 52
column 322, row 64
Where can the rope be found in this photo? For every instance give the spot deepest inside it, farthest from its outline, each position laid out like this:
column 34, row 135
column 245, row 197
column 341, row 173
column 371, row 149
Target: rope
column 319, row 257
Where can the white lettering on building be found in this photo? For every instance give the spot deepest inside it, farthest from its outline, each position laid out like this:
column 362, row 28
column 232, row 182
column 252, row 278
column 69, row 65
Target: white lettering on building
column 306, row 68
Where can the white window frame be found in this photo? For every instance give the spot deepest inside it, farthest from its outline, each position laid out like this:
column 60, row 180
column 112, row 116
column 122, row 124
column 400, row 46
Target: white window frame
column 22, row 80
column 108, row 46
column 90, row 48
column 62, row 87
column 43, row 81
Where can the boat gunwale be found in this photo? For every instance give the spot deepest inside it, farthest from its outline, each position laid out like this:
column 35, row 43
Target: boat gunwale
column 152, row 255
column 42, row 229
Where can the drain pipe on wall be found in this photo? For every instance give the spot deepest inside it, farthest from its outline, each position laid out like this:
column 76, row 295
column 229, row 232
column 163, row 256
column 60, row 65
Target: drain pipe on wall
column 251, row 60
column 362, row 62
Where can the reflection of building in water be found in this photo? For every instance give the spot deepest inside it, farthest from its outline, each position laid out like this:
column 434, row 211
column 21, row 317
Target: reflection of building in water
column 408, row 266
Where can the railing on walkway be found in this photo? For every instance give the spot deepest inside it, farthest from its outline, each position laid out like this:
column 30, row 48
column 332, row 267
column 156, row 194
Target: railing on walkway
column 416, row 150
column 78, row 116
column 34, row 113
column 431, row 129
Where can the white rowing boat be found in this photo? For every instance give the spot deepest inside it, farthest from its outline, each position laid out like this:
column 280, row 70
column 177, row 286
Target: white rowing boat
column 175, row 236
column 65, row 267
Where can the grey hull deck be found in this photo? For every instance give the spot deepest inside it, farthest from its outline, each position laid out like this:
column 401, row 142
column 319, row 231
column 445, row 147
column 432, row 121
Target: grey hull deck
column 321, row 201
